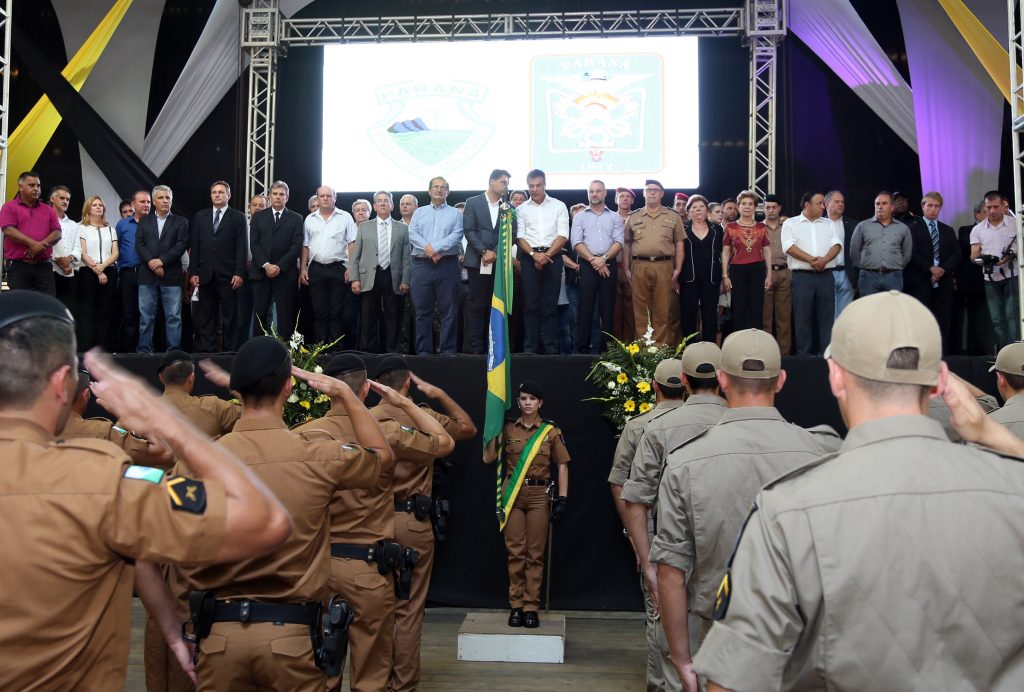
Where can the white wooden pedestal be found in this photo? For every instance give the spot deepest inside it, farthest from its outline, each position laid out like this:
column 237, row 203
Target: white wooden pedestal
column 487, row 637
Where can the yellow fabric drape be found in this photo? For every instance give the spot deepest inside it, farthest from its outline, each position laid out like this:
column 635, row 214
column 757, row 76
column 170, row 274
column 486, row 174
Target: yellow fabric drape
column 992, row 56
column 32, row 134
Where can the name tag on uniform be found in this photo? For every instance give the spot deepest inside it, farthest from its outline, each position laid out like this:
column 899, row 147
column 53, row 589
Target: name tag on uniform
column 144, row 473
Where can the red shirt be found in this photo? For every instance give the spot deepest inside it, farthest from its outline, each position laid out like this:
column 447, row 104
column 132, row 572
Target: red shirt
column 36, row 222
column 747, row 242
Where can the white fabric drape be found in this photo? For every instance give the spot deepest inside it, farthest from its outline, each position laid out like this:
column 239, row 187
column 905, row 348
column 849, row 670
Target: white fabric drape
column 959, row 111
column 837, row 35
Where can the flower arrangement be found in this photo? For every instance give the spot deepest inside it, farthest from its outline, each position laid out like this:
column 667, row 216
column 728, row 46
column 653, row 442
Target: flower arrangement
column 626, row 372
column 305, row 402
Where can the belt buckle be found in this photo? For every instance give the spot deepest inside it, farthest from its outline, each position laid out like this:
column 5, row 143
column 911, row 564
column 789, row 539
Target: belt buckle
column 650, row 259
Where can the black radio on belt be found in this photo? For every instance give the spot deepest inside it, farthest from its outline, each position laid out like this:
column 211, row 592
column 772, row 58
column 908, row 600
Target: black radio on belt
column 439, row 518
column 201, row 607
column 330, row 645
column 388, row 556
column 403, row 581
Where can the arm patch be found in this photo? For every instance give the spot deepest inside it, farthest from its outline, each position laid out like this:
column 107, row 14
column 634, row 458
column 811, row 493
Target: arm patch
column 187, row 495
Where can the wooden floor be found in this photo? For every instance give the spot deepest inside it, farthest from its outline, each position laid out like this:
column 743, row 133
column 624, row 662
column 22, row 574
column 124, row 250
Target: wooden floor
column 604, row 652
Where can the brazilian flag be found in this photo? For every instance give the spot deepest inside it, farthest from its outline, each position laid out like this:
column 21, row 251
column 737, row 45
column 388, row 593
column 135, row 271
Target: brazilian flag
column 499, row 376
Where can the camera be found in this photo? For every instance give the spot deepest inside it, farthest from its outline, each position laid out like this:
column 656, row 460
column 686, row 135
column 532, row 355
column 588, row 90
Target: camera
column 988, row 262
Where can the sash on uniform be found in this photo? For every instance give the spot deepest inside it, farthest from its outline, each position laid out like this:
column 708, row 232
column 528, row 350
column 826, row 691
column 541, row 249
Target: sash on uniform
column 526, row 457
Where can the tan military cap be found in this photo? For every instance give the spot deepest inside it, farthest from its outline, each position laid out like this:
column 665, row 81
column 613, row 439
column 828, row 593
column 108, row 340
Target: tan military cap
column 752, row 354
column 669, row 373
column 871, row 328
column 1010, row 359
column 702, row 353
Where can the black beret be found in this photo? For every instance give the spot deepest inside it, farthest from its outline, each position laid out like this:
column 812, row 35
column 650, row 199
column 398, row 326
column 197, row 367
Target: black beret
column 259, row 357
column 531, row 387
column 172, row 357
column 390, row 364
column 18, row 305
column 343, row 363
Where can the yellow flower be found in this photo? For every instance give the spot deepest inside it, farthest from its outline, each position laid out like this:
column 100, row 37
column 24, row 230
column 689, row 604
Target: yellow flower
column 645, row 407
column 630, row 406
column 323, row 398
column 304, row 404
column 643, row 387
column 633, row 349
column 622, row 378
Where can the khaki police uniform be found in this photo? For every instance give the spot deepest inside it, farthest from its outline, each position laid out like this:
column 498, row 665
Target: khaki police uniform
column 102, row 429
column 414, row 475
column 1011, row 414
column 304, row 470
column 361, row 517
column 706, row 491
column 211, row 414
column 938, row 411
column 654, row 236
column 778, row 300
column 894, row 565
column 629, row 439
column 667, row 431
column 526, row 530
column 75, row 515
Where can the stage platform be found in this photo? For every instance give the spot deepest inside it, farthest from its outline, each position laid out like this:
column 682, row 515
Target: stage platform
column 593, row 566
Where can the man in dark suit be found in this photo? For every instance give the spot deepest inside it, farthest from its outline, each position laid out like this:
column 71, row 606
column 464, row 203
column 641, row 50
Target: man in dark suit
column 160, row 241
column 380, row 266
column 935, row 256
column 276, row 237
column 970, row 308
column 218, row 267
column 480, row 225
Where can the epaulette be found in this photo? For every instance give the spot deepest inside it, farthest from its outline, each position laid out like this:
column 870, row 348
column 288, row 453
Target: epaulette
column 314, row 435
column 824, row 429
column 699, row 435
column 800, row 470
column 104, row 447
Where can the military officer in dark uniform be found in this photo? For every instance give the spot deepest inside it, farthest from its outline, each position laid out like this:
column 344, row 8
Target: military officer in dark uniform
column 531, row 445
column 894, row 564
column 76, row 514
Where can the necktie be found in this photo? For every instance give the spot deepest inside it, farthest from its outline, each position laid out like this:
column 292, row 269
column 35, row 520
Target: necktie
column 277, row 216
column 216, row 221
column 934, row 232
column 383, row 245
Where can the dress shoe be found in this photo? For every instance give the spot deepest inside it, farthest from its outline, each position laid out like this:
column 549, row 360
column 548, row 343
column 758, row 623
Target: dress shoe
column 531, row 621
column 515, row 618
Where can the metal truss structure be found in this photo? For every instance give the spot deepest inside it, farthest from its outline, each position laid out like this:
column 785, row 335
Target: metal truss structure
column 5, row 97
column 265, row 33
column 1016, row 51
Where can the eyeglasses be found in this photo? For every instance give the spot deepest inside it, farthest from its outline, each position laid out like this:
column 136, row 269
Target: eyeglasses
column 652, row 190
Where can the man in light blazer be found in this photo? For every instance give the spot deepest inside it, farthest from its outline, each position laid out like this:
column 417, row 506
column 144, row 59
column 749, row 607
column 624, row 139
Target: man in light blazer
column 275, row 235
column 480, row 225
column 160, row 241
column 218, row 268
column 381, row 279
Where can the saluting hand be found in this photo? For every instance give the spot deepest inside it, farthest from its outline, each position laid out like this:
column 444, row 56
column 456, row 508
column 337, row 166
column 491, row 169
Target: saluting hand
column 325, row 383
column 429, row 390
column 127, row 397
column 387, row 394
column 215, row 373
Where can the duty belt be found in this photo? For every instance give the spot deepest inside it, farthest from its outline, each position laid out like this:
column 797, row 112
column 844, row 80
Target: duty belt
column 420, row 505
column 779, row 267
column 656, row 258
column 536, row 481
column 251, row 611
column 369, row 553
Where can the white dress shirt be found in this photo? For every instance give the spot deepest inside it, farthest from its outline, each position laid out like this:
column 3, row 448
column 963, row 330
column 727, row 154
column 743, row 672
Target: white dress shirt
column 99, row 242
column 383, row 243
column 69, row 245
column 328, row 239
column 815, row 238
column 540, row 224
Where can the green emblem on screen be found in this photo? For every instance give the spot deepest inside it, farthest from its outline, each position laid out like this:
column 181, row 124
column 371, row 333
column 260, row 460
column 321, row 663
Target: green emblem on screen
column 431, row 125
column 597, row 113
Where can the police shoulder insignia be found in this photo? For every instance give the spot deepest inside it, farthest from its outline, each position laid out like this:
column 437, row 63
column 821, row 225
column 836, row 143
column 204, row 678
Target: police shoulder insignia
column 406, row 428
column 722, row 596
column 187, row 495
column 144, row 473
column 119, row 430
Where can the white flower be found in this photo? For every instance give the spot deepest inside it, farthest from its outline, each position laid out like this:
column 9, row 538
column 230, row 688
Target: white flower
column 648, row 337
column 652, row 349
column 318, row 370
column 611, row 385
column 611, row 366
column 296, row 341
column 293, row 399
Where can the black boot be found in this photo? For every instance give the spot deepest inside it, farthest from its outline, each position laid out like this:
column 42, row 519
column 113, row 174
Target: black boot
column 531, row 621
column 515, row 618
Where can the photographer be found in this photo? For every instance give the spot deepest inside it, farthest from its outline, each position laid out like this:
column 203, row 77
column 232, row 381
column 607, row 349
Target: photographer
column 994, row 246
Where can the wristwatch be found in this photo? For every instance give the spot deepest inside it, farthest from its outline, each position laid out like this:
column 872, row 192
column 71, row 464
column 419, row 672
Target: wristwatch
column 532, row 253
column 605, row 257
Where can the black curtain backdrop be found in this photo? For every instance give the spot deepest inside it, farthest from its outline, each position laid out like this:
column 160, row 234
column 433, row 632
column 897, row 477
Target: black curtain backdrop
column 593, row 566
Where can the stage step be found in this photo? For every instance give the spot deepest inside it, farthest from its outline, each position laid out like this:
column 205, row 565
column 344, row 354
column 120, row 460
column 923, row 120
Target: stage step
column 487, row 637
